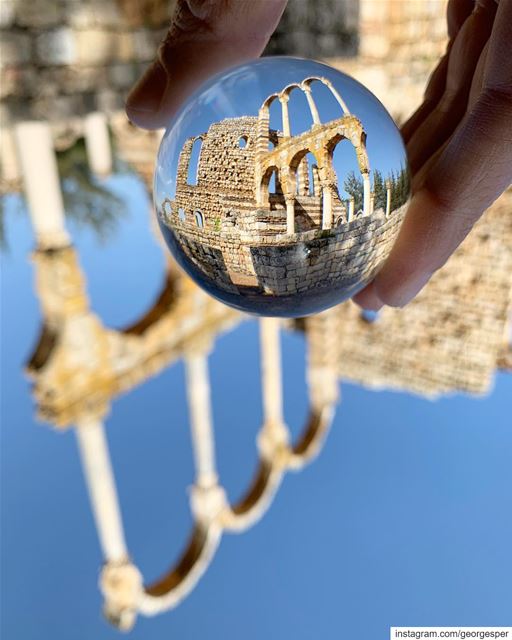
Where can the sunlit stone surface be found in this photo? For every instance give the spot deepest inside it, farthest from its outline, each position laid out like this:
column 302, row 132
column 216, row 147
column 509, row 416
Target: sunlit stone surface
column 281, row 186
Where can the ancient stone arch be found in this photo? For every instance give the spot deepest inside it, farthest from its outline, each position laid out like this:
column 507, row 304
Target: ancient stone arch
column 122, row 358
column 320, row 140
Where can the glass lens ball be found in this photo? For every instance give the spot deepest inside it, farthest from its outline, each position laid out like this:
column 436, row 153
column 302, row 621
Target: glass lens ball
column 281, row 185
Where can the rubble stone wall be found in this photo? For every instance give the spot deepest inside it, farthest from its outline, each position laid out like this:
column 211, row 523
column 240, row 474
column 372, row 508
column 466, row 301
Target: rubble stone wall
column 341, row 256
column 225, row 173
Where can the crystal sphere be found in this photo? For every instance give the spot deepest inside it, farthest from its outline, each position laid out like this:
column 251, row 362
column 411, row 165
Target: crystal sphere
column 281, row 185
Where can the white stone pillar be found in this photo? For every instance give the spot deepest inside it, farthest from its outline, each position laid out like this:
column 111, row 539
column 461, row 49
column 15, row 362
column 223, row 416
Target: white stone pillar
column 97, row 143
column 283, row 99
column 198, row 393
column 366, row 194
column 271, row 370
column 351, row 205
column 101, row 486
column 326, row 207
column 312, row 105
column 273, row 435
column 316, row 180
column 388, row 198
column 339, row 99
column 8, row 157
column 42, row 186
column 372, row 202
column 290, row 214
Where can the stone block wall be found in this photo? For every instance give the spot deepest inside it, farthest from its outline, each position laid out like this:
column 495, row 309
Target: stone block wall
column 400, row 42
column 225, row 173
column 340, row 257
column 63, row 59
column 317, row 29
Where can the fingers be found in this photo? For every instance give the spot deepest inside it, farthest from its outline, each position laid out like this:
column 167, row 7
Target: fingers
column 433, row 93
column 206, row 36
column 456, row 13
column 471, row 172
column 447, row 114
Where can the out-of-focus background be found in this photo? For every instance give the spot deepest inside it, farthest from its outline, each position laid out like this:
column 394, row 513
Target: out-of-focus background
column 135, row 409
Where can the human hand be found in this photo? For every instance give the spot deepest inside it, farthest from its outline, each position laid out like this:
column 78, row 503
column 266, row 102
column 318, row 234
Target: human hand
column 459, row 144
column 205, row 37
column 459, row 141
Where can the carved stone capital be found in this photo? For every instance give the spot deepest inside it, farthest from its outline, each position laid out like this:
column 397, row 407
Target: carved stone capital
column 122, row 586
column 207, row 502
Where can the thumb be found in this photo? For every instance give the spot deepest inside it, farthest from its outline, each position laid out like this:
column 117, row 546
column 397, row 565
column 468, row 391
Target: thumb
column 205, row 37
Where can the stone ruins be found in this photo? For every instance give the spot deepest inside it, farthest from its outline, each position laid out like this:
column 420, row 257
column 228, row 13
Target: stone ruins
column 452, row 338
column 244, row 237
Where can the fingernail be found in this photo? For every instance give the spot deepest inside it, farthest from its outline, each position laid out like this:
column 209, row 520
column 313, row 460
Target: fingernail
column 368, row 299
column 146, row 96
column 409, row 292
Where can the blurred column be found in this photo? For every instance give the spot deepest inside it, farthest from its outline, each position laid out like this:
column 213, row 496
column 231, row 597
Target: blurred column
column 100, row 481
column 274, row 433
column 198, row 392
column 41, row 180
column 271, row 370
column 97, row 143
column 8, row 156
column 207, row 498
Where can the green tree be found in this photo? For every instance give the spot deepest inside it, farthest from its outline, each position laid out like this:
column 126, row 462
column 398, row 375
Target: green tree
column 353, row 185
column 379, row 190
column 400, row 187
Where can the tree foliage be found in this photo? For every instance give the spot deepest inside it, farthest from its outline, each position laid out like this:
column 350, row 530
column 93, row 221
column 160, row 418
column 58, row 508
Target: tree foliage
column 353, row 185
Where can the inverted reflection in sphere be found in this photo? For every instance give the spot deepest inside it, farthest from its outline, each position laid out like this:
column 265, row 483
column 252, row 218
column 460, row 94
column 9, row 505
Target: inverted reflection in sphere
column 281, row 185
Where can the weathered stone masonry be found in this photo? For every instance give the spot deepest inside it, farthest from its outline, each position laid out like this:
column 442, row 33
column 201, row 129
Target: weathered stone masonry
column 240, row 235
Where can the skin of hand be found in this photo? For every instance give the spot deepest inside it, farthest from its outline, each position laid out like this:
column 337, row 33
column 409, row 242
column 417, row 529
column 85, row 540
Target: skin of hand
column 459, row 141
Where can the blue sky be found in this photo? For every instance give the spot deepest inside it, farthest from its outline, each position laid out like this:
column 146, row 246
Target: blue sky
column 405, row 518
column 242, row 90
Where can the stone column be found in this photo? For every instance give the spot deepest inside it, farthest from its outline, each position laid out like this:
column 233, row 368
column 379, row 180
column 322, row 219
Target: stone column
column 283, row 99
column 316, row 180
column 388, row 198
column 207, row 498
column 97, row 144
column 372, row 201
column 290, row 214
column 366, row 194
column 101, row 486
column 350, row 214
column 271, row 370
column 273, row 434
column 312, row 105
column 198, row 393
column 303, row 177
column 339, row 99
column 42, row 186
column 326, row 206
column 8, row 157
